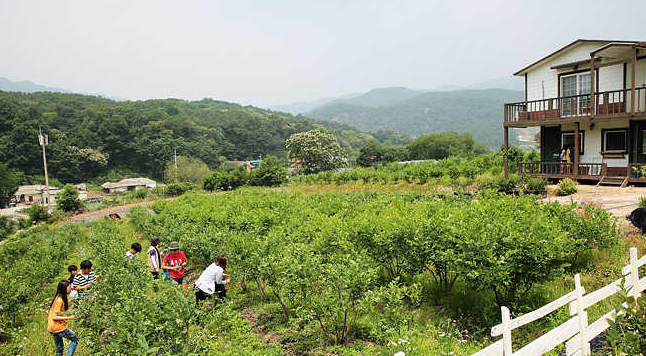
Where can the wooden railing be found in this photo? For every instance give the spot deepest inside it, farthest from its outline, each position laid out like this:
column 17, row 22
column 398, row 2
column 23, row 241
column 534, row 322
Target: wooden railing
column 576, row 332
column 561, row 169
column 607, row 103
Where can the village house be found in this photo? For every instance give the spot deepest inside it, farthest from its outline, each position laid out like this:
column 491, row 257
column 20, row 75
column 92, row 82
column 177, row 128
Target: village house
column 37, row 194
column 594, row 90
column 127, row 185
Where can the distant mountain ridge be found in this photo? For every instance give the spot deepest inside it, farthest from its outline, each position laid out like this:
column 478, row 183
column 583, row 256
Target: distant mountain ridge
column 26, row 86
column 478, row 112
column 392, row 94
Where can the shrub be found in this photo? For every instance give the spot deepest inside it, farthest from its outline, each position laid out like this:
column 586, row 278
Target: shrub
column 535, row 183
column 24, row 223
column 217, row 180
column 140, row 193
column 627, row 334
column 7, row 227
column 68, row 199
column 271, row 173
column 177, row 189
column 642, row 201
column 566, row 187
column 38, row 213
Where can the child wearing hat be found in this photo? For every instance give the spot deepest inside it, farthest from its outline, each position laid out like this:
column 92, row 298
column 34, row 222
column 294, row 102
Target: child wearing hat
column 174, row 262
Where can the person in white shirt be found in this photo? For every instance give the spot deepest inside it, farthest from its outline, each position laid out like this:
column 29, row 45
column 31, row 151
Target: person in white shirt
column 212, row 280
column 154, row 257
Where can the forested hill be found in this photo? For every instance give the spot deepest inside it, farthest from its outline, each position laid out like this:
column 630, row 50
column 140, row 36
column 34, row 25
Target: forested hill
column 89, row 136
column 479, row 112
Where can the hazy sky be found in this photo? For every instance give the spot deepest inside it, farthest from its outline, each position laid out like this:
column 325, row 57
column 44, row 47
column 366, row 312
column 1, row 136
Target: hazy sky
column 268, row 52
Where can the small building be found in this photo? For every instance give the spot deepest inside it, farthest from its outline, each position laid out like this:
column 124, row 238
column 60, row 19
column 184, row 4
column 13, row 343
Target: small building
column 588, row 97
column 37, row 194
column 128, row 185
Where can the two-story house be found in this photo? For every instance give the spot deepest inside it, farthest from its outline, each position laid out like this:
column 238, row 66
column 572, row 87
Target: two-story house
column 594, row 90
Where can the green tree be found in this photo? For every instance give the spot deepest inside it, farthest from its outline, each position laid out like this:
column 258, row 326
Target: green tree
column 271, row 173
column 318, row 151
column 9, row 182
column 68, row 199
column 445, row 144
column 189, row 169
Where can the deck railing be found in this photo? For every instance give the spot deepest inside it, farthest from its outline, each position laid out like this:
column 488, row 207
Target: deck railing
column 561, row 169
column 607, row 103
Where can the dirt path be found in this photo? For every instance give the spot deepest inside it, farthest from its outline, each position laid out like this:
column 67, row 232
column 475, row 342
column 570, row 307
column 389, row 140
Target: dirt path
column 122, row 210
column 618, row 201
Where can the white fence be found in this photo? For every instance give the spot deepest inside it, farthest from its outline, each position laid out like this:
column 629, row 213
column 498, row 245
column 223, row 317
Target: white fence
column 576, row 332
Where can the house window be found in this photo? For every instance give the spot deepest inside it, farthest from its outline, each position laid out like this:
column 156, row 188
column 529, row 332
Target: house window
column 615, row 140
column 571, row 86
column 567, row 139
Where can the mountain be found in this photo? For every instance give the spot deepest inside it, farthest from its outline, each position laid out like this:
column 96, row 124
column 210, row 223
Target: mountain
column 479, row 112
column 305, row 106
column 26, row 86
column 91, row 137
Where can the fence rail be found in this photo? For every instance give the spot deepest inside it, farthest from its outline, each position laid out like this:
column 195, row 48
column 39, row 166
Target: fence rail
column 561, row 168
column 576, row 332
column 606, row 103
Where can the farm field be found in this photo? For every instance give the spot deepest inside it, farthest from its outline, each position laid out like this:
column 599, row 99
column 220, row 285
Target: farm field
column 316, row 272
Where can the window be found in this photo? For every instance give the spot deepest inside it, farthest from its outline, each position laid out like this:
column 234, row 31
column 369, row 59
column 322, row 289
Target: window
column 615, row 140
column 567, row 139
column 571, row 86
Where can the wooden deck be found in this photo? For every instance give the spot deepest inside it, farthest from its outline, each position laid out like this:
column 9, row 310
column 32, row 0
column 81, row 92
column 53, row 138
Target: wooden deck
column 636, row 172
column 609, row 105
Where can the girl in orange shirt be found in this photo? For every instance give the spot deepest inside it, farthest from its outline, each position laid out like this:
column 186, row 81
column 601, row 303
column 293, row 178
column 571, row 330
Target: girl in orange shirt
column 57, row 323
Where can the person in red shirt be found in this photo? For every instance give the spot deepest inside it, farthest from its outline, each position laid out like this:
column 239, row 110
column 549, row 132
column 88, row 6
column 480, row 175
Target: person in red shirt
column 175, row 262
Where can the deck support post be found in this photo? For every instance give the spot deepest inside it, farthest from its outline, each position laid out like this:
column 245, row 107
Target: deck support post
column 577, row 145
column 592, row 95
column 506, row 149
column 632, row 83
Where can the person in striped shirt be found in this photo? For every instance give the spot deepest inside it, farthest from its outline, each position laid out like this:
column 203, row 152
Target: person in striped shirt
column 83, row 281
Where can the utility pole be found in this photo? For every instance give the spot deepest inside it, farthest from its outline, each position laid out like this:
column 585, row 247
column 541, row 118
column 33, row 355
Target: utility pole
column 44, row 141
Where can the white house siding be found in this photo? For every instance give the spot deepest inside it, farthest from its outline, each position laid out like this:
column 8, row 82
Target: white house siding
column 592, row 142
column 542, row 75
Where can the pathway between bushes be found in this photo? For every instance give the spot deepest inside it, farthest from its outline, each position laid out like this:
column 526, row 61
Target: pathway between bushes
column 122, row 210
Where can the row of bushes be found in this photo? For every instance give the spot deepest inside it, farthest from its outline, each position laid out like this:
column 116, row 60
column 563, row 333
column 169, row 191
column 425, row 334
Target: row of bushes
column 271, row 173
column 318, row 254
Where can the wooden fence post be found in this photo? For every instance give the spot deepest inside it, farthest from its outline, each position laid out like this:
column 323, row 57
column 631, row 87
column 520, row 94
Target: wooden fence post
column 633, row 277
column 506, row 332
column 584, row 345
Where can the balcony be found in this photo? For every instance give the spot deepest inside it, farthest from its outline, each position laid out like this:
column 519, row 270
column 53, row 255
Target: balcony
column 608, row 104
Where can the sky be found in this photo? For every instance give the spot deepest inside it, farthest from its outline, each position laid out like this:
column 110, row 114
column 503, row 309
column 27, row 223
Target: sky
column 269, row 52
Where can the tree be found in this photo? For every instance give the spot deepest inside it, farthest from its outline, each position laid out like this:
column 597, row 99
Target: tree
column 9, row 182
column 271, row 173
column 373, row 153
column 315, row 151
column 189, row 169
column 68, row 199
column 445, row 144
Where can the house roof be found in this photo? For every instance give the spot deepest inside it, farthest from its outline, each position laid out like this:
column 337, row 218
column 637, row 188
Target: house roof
column 569, row 46
column 130, row 182
column 35, row 189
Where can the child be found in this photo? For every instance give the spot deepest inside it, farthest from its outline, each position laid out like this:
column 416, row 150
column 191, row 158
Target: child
column 174, row 263
column 83, row 281
column 57, row 323
column 212, row 281
column 72, row 269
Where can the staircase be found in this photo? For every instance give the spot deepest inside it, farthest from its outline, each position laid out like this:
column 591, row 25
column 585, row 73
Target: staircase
column 617, row 180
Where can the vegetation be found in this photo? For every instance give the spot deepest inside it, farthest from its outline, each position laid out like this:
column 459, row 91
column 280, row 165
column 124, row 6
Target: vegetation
column 271, row 173
column 627, row 334
column 68, row 200
column 95, row 138
column 373, row 153
column 188, row 169
column 446, row 144
column 314, row 151
column 7, row 227
column 9, row 182
column 642, row 201
column 566, row 187
column 38, row 213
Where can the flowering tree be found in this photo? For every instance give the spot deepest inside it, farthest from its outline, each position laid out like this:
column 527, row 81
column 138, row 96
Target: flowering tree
column 315, row 151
